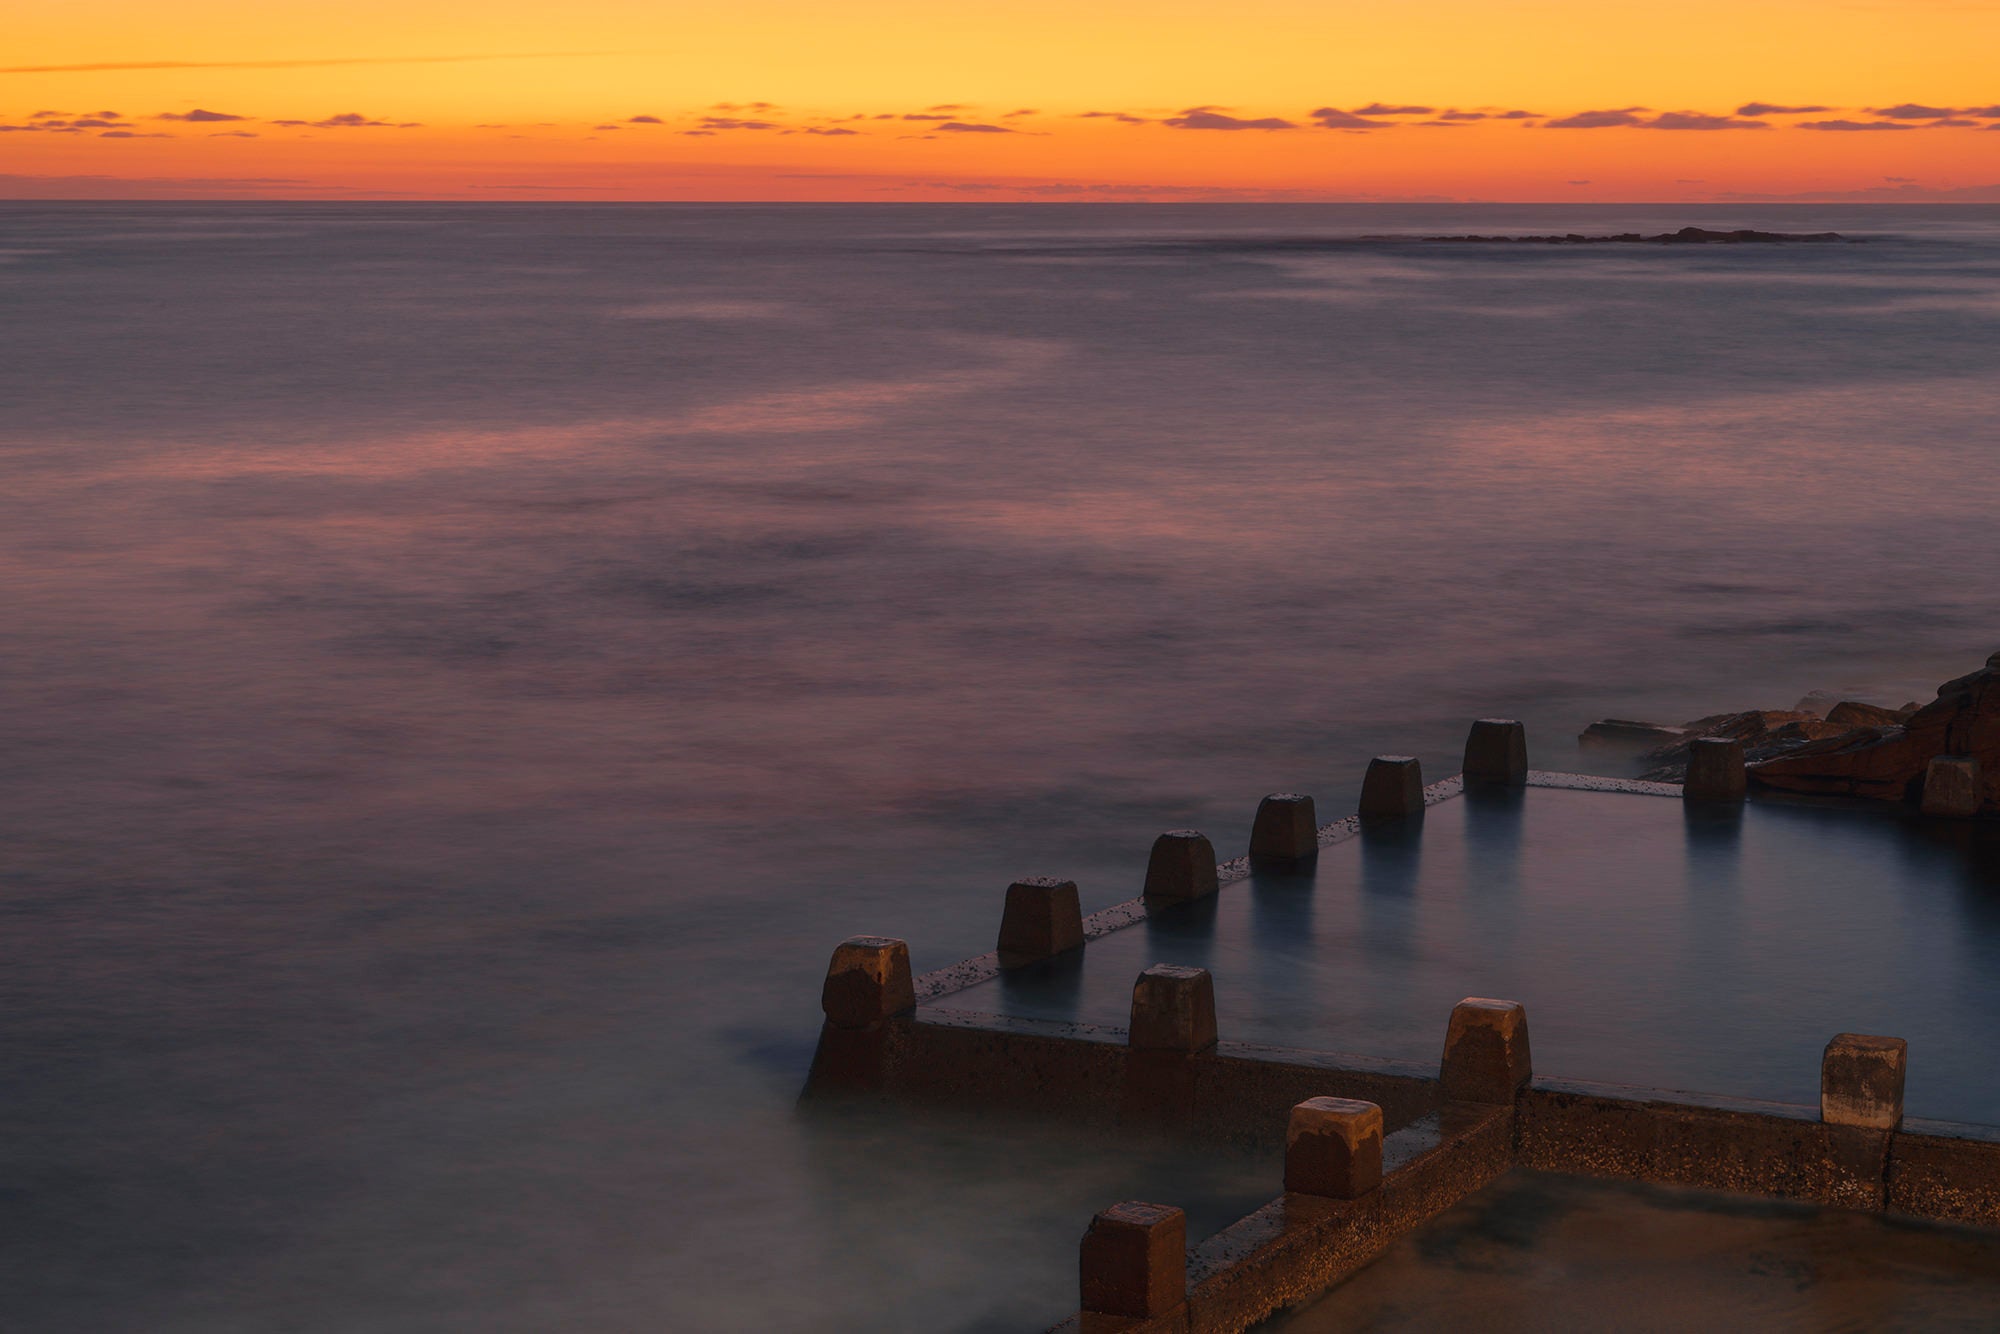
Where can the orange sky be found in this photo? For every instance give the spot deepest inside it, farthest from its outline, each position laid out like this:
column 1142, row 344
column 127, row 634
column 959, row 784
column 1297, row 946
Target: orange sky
column 897, row 100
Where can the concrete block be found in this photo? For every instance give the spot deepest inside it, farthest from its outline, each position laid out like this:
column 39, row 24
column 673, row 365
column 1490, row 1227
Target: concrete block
column 1496, row 754
column 1953, row 786
column 1133, row 1261
column 867, row 981
column 1182, row 867
column 1041, row 920
column 1715, row 770
column 1333, row 1147
column 1861, row 1081
column 1486, row 1051
column 1173, row 1009
column 1393, row 788
column 1287, row 830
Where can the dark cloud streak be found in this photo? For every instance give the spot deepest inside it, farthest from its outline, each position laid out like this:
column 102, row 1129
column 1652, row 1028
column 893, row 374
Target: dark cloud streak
column 350, row 120
column 1691, row 120
column 1598, row 120
column 291, row 64
column 1333, row 118
column 1210, row 118
column 1852, row 126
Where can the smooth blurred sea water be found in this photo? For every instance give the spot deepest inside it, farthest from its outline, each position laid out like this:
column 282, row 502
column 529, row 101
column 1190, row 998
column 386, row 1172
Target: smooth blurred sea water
column 462, row 668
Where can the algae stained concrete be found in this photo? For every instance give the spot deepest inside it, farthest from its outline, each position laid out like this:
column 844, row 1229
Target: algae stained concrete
column 1538, row 1251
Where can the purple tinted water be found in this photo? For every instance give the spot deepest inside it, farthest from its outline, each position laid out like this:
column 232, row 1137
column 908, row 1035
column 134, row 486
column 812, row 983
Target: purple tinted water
column 465, row 666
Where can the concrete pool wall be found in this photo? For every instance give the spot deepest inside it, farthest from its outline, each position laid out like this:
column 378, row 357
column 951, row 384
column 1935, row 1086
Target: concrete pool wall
column 1439, row 1131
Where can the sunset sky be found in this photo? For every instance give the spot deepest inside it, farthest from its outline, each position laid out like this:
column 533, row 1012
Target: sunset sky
column 1586, row 100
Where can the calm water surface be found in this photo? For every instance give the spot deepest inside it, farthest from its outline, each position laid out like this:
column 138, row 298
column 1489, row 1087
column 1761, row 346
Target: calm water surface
column 1652, row 944
column 463, row 668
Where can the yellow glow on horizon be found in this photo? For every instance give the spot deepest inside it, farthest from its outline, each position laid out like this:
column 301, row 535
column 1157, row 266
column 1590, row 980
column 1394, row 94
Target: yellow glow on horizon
column 560, row 73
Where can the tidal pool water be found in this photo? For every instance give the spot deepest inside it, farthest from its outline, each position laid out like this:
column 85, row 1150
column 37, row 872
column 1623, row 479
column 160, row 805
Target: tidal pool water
column 463, row 667
column 1653, row 944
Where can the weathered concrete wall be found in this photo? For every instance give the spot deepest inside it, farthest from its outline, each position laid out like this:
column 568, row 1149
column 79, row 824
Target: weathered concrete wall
column 1435, row 1151
column 1299, row 1244
column 1232, row 1092
column 1951, row 1174
column 1768, row 1149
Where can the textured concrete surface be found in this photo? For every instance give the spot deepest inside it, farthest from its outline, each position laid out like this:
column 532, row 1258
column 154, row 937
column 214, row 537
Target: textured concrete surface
column 1392, row 789
column 1173, row 1009
column 1486, row 1056
column 1861, row 1081
column 1496, row 753
column 867, row 980
column 1298, row 1244
column 1538, row 1252
column 1715, row 770
column 1333, row 1147
column 1181, row 867
column 1133, row 1261
column 1286, row 831
column 1954, row 786
column 1041, row 919
column 1719, row 1144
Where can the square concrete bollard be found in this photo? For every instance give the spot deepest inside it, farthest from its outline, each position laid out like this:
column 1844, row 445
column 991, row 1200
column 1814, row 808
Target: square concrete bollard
column 1133, row 1261
column 1393, row 788
column 1173, row 1009
column 867, row 981
column 1182, row 867
column 1715, row 770
column 1486, row 1051
column 1861, row 1081
column 1287, row 830
column 1041, row 920
column 1333, row 1147
column 1953, row 786
column 1496, row 754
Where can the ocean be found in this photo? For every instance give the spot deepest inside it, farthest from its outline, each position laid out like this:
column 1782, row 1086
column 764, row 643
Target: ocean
column 463, row 667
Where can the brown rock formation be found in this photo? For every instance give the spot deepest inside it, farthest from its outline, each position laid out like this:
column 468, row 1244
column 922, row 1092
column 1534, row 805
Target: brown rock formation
column 1888, row 763
column 1763, row 732
column 1856, row 714
column 1627, row 732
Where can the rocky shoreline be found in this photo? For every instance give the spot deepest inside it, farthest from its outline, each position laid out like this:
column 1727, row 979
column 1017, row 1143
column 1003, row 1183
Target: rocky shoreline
column 1850, row 748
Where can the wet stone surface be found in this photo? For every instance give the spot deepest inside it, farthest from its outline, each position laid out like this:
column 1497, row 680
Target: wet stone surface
column 1538, row 1251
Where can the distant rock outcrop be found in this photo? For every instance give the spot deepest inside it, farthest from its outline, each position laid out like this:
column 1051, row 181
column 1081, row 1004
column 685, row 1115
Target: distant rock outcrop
column 1888, row 762
column 1856, row 749
column 1856, row 714
column 1763, row 732
column 1685, row 236
column 1626, row 732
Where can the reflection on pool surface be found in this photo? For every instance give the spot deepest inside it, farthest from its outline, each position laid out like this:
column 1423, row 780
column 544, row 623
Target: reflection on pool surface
column 1653, row 943
column 1539, row 1252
